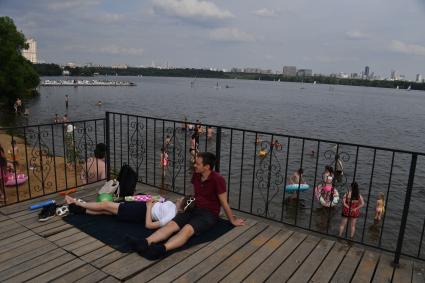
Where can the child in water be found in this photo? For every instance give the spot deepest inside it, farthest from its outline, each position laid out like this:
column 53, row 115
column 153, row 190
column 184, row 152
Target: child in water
column 380, row 206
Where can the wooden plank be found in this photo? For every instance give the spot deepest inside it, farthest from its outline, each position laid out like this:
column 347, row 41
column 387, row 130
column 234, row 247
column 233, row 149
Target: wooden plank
column 404, row 272
column 249, row 265
column 79, row 243
column 58, row 271
column 328, row 267
column 63, row 234
column 8, row 225
column 69, row 239
column 3, row 217
column 76, row 275
column 47, row 226
column 15, row 238
column 16, row 244
column 291, row 264
column 246, row 233
column 98, row 253
column 384, row 270
column 345, row 271
column 36, row 271
column 261, row 273
column 312, row 262
column 95, row 276
column 366, row 267
column 109, row 279
column 13, row 232
column 228, row 258
column 31, row 263
column 54, row 231
column 108, row 259
column 24, row 205
column 26, row 256
column 88, row 248
column 418, row 274
column 165, row 264
column 37, row 244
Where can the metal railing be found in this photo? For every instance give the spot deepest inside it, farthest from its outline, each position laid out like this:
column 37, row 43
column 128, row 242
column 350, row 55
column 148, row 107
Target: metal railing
column 44, row 159
column 257, row 167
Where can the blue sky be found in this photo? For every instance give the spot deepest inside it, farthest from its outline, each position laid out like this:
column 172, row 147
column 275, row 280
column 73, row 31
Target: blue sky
column 326, row 35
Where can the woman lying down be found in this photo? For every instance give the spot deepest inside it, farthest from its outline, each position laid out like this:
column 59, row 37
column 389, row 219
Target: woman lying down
column 153, row 215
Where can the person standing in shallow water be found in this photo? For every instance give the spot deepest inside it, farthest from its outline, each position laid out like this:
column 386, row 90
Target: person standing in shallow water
column 66, row 101
column 352, row 203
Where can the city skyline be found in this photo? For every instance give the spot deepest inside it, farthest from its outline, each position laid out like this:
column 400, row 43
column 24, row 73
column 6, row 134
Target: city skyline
column 327, row 36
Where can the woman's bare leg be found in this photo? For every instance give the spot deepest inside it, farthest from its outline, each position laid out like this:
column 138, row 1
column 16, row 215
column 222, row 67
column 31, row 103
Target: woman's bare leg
column 106, row 207
column 353, row 227
column 342, row 225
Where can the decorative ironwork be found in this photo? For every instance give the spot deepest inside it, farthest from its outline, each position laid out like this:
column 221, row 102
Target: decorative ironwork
column 40, row 160
column 175, row 151
column 84, row 149
column 137, row 145
column 269, row 176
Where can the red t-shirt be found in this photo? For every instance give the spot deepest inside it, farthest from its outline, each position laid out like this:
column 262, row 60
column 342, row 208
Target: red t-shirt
column 206, row 192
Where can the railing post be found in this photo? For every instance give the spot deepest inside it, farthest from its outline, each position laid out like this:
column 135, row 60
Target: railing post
column 218, row 149
column 405, row 209
column 108, row 146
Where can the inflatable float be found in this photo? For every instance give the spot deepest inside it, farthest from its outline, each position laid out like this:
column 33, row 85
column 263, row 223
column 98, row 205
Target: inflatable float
column 11, row 181
column 297, row 187
column 325, row 200
column 144, row 198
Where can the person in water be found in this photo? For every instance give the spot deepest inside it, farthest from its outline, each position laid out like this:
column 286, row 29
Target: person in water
column 296, row 179
column 352, row 203
column 380, row 207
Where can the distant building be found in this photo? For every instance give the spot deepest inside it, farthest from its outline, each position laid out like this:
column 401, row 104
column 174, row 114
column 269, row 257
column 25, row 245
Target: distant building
column 393, row 75
column 65, row 73
column 354, row 75
column 342, row 75
column 72, row 65
column 289, row 71
column 236, row 70
column 31, row 53
column 119, row 66
column 366, row 72
column 304, row 73
column 418, row 78
column 257, row 71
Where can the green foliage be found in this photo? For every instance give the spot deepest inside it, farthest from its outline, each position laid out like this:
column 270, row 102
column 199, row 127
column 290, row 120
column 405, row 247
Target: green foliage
column 48, row 69
column 17, row 75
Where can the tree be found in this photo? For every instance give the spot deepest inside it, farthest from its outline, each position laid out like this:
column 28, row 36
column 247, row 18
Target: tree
column 17, row 75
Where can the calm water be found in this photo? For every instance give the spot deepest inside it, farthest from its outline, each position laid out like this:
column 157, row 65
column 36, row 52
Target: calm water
column 370, row 116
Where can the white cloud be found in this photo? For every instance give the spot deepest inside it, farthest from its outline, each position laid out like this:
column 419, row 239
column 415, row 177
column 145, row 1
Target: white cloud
column 191, row 9
column 264, row 12
column 106, row 18
column 231, row 35
column 405, row 48
column 71, row 4
column 117, row 50
column 357, row 35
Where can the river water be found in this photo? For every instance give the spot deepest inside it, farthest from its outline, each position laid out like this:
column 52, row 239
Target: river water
column 362, row 115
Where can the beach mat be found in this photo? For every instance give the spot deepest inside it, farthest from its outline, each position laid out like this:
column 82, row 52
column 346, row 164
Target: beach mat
column 109, row 230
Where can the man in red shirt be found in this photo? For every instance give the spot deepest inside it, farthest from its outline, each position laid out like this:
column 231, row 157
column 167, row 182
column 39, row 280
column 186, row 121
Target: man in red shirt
column 210, row 194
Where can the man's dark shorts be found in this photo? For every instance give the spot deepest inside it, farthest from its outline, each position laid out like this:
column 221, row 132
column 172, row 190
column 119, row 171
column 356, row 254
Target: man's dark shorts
column 132, row 212
column 201, row 219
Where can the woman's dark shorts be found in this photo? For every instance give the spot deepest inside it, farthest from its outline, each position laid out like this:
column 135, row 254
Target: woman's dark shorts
column 132, row 212
column 201, row 219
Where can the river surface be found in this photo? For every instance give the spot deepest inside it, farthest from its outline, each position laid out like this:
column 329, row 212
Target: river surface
column 360, row 115
column 365, row 115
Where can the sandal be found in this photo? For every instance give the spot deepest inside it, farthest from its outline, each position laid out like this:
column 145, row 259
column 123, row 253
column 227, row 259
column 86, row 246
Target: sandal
column 62, row 210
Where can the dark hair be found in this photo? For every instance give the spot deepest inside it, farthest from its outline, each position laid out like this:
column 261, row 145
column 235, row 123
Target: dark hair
column 100, row 151
column 354, row 191
column 300, row 171
column 329, row 168
column 336, row 156
column 208, row 158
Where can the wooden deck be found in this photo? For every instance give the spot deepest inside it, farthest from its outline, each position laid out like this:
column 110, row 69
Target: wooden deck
column 55, row 251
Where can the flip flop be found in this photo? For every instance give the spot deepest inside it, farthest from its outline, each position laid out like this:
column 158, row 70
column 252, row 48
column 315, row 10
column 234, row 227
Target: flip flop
column 62, row 210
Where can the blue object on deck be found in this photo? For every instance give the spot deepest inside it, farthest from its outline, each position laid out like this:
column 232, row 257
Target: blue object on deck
column 296, row 187
column 42, row 204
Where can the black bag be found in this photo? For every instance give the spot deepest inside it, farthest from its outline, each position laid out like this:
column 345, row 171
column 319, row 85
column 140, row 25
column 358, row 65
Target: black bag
column 128, row 180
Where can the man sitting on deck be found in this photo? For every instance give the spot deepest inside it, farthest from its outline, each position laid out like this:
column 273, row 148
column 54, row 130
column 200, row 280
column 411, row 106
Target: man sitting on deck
column 210, row 194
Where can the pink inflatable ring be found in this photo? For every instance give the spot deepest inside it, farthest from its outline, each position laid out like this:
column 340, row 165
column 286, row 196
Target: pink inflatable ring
column 20, row 179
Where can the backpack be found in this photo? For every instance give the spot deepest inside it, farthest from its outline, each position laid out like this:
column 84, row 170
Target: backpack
column 127, row 179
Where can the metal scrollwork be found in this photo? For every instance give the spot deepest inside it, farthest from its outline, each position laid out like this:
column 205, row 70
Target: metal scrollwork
column 40, row 161
column 137, row 146
column 269, row 175
column 175, row 151
column 84, row 143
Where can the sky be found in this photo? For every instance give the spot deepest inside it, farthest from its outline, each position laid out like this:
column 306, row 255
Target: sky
column 327, row 36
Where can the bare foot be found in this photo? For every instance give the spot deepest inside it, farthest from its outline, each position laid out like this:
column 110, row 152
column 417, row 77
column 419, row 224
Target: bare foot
column 70, row 200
